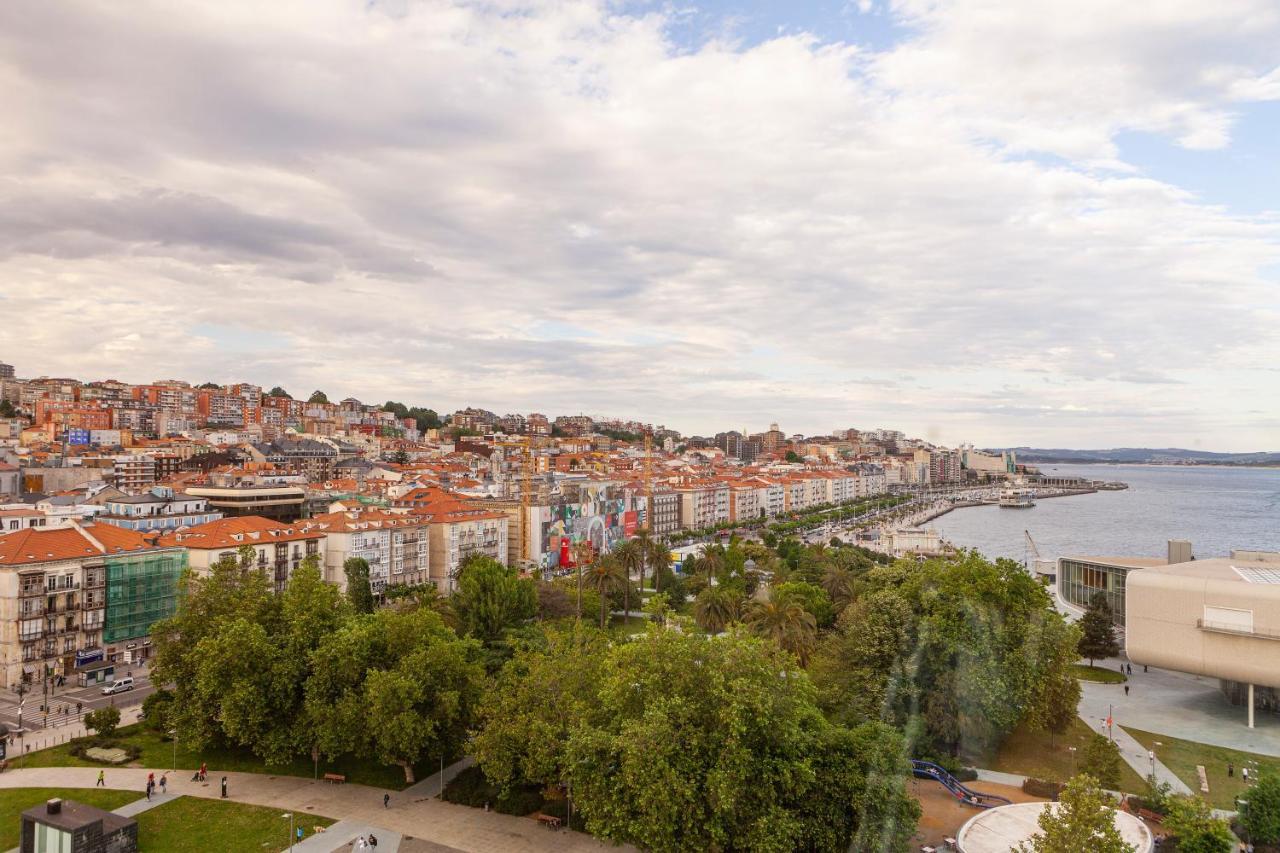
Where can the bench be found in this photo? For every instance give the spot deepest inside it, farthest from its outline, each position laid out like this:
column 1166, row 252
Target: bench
column 335, row 778
column 548, row 820
column 1204, row 778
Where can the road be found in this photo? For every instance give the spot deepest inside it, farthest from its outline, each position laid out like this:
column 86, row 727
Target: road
column 65, row 699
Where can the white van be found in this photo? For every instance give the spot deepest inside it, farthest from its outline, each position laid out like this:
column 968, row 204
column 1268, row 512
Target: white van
column 120, row 685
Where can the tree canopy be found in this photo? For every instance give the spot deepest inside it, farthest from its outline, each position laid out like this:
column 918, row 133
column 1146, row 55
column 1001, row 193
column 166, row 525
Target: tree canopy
column 1083, row 819
column 277, row 391
column 359, row 593
column 1098, row 632
column 318, row 396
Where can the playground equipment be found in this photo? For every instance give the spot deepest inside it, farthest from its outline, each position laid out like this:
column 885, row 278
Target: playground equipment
column 968, row 796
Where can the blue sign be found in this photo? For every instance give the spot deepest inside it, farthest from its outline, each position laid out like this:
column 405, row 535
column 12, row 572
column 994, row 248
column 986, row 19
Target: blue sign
column 88, row 656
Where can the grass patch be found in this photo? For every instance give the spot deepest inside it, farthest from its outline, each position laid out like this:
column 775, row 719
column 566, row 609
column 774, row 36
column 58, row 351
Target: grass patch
column 1182, row 756
column 14, row 801
column 1097, row 673
column 193, row 823
column 157, row 751
column 1033, row 753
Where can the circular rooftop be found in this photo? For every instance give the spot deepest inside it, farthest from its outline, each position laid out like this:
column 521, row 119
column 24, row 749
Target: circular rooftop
column 1002, row 829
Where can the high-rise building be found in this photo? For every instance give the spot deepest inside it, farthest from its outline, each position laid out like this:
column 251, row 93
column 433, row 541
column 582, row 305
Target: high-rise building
column 6, row 371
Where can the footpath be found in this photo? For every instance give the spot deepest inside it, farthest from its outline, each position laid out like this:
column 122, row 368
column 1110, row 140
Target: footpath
column 414, row 821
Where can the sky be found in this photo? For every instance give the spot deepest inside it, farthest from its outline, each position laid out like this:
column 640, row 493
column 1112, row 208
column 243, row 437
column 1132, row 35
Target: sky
column 1032, row 223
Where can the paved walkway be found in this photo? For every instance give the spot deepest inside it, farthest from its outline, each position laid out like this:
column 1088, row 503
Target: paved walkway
column 1179, row 705
column 437, row 822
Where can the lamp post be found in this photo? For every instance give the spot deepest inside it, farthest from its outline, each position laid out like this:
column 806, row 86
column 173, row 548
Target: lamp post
column 290, row 816
column 1072, row 750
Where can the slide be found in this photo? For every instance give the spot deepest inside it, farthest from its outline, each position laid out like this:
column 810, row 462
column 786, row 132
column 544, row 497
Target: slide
column 968, row 796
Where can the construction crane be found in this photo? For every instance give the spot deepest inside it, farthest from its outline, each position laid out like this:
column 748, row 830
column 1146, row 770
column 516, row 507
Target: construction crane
column 526, row 502
column 648, row 479
column 1034, row 563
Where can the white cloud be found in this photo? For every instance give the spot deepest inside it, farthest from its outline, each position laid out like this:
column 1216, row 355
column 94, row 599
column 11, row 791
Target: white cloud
column 401, row 202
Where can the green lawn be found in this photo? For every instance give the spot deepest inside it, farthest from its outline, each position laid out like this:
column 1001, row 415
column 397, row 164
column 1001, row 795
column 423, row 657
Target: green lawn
column 1182, row 756
column 14, row 801
column 1096, row 673
column 1031, row 753
column 158, row 752
column 213, row 826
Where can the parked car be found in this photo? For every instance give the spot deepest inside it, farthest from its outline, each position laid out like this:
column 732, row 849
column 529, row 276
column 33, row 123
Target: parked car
column 120, row 685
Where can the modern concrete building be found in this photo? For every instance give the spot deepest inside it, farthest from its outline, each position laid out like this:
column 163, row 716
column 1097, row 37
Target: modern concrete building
column 65, row 826
column 280, row 503
column 1081, row 578
column 1218, row 618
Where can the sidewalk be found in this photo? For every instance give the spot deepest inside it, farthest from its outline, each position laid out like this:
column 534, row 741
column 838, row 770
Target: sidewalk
column 458, row 827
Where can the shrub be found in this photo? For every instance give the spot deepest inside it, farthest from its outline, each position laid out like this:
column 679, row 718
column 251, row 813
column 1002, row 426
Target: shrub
column 1102, row 761
column 155, row 710
column 103, row 721
column 520, row 801
column 470, row 788
column 1042, row 788
column 1261, row 817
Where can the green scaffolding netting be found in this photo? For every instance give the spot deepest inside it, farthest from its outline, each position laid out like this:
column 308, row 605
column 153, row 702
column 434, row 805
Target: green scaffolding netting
column 141, row 590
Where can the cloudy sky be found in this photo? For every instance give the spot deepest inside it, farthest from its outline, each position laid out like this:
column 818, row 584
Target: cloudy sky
column 1024, row 222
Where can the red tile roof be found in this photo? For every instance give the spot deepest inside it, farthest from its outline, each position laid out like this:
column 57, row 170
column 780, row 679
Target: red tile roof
column 234, row 532
column 43, row 544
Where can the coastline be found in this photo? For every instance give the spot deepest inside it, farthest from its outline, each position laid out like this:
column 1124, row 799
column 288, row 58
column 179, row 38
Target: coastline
column 939, row 511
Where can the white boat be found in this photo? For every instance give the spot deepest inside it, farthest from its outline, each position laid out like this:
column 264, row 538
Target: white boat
column 1018, row 498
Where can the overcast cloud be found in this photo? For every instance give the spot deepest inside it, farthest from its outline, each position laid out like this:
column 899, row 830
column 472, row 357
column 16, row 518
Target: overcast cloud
column 560, row 207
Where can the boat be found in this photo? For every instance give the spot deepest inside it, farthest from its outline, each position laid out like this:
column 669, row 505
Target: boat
column 1015, row 498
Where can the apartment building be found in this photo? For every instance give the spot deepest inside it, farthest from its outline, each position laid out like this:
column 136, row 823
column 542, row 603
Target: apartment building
column 664, row 516
column 77, row 594
column 160, row 508
column 278, row 548
column 396, row 546
column 135, row 473
column 744, row 501
column 703, row 503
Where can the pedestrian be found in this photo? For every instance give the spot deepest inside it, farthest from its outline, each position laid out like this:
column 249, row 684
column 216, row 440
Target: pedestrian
column 299, row 835
column 360, row 845
column 386, row 800
column 164, row 783
column 204, row 770
column 1244, row 774
column 1144, row 667
column 1231, row 770
column 224, row 787
column 373, row 841
column 148, row 792
column 79, row 705
column 151, row 779
column 1126, row 690
column 101, row 779
column 1129, row 669
column 1122, row 669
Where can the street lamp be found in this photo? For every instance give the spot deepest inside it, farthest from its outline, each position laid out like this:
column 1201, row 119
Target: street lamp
column 1072, row 750
column 290, row 816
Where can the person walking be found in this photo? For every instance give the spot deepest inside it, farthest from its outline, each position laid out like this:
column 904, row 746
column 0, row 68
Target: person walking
column 1244, row 774
column 373, row 841
column 1126, row 690
column 299, row 835
column 164, row 783
column 1129, row 669
column 224, row 787
column 148, row 792
column 386, row 801
column 79, row 705
column 102, row 776
column 204, row 771
column 151, row 779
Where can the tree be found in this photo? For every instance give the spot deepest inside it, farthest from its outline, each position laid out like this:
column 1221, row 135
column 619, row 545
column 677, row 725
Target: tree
column 715, row 607
column 318, row 396
column 491, row 597
column 1056, row 691
column 7, row 410
column 838, row 583
column 209, row 386
column 794, row 457
column 399, row 684
column 785, row 622
column 1098, row 632
column 694, row 743
column 279, row 392
column 630, row 556
column 1197, row 830
column 400, row 457
column 1262, row 814
column 604, row 576
column 103, row 721
column 812, row 598
column 359, row 593
column 1083, row 820
column 1102, row 761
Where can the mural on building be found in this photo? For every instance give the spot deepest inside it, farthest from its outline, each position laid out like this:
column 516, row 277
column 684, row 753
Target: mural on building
column 603, row 515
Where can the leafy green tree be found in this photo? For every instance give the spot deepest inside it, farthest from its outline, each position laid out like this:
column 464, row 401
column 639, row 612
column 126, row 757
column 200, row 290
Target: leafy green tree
column 603, row 577
column 715, row 607
column 785, row 622
column 318, row 397
column 1102, row 761
column 1197, row 830
column 359, row 593
column 727, row 731
column 279, row 392
column 1084, row 819
column 155, row 710
column 1097, row 631
column 1262, row 814
column 860, row 667
column 793, row 457
column 812, row 598
column 1055, row 692
column 104, row 721
column 399, row 684
column 491, row 597
column 7, row 410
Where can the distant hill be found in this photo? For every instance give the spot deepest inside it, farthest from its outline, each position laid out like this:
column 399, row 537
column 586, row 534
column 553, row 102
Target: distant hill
column 1146, row 455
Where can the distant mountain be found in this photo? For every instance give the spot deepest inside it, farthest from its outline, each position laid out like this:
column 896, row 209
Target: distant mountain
column 1146, row 455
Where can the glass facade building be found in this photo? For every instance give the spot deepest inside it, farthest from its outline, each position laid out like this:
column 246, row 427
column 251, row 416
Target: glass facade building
column 1079, row 580
column 142, row 588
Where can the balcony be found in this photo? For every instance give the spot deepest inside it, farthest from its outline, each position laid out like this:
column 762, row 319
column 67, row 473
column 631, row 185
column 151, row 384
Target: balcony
column 30, row 636
column 1238, row 630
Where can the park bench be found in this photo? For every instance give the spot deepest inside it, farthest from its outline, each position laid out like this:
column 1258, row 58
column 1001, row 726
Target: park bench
column 335, row 778
column 1204, row 778
column 548, row 820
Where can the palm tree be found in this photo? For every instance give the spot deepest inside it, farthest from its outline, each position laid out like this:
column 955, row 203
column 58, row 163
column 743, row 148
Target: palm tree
column 581, row 554
column 657, row 555
column 604, row 576
column 786, row 623
column 631, row 556
column 838, row 582
column 715, row 607
column 642, row 542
